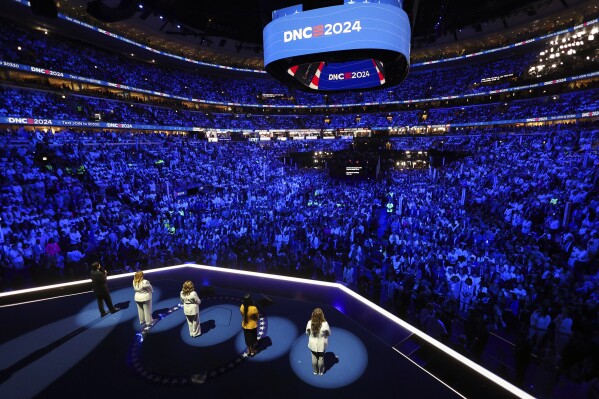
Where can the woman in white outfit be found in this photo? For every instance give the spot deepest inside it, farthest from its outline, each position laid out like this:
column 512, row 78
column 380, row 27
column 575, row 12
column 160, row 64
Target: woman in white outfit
column 563, row 330
column 143, row 298
column 191, row 308
column 318, row 331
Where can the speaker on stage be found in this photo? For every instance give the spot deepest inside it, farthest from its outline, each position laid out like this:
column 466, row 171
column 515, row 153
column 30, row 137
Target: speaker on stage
column 44, row 8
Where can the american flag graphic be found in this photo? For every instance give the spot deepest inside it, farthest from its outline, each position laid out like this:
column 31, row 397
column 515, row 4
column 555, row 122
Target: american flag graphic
column 317, row 31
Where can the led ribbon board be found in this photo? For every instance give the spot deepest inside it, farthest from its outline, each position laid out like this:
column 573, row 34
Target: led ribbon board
column 357, row 45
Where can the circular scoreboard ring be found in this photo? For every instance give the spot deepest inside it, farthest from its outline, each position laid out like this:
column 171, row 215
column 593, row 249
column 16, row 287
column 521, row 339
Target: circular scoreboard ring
column 355, row 46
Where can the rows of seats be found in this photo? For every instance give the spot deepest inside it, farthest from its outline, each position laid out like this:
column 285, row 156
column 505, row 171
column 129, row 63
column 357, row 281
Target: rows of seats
column 41, row 104
column 483, row 236
column 60, row 54
column 503, row 232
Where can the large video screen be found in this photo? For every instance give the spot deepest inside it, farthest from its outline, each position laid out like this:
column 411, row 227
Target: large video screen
column 339, row 47
column 347, row 27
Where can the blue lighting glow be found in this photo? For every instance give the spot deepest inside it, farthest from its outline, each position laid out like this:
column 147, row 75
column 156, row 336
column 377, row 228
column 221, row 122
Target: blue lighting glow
column 337, row 305
column 276, row 343
column 219, row 323
column 166, row 323
column 123, row 296
column 50, row 343
column 81, row 335
column 346, row 359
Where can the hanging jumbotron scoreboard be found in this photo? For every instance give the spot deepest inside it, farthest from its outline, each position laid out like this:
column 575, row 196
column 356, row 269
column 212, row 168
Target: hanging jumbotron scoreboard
column 359, row 45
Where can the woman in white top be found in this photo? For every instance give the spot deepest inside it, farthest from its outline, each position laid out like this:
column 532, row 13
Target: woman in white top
column 539, row 322
column 191, row 308
column 143, row 298
column 563, row 330
column 348, row 274
column 318, row 339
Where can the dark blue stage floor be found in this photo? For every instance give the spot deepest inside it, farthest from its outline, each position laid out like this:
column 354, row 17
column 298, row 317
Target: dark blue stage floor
column 61, row 347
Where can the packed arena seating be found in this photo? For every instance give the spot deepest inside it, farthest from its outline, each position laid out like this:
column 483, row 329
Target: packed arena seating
column 40, row 104
column 504, row 235
column 57, row 53
column 109, row 200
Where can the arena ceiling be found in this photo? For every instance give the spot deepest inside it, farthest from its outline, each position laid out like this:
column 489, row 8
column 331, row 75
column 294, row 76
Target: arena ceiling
column 230, row 32
column 245, row 22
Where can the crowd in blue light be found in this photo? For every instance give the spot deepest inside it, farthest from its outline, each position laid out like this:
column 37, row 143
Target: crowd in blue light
column 56, row 53
column 500, row 237
column 42, row 104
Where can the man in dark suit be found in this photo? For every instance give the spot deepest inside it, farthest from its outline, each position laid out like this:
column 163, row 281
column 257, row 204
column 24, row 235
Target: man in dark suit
column 101, row 289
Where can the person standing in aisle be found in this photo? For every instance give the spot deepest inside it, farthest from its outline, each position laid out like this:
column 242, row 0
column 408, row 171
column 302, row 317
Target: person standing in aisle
column 563, row 332
column 318, row 331
column 191, row 308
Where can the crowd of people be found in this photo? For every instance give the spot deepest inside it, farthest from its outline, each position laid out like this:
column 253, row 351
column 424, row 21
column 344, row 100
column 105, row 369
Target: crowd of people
column 506, row 249
column 46, row 105
column 60, row 54
column 506, row 235
column 503, row 237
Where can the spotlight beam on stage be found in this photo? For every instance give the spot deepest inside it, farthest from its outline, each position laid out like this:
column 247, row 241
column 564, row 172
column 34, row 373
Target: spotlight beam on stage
column 13, row 297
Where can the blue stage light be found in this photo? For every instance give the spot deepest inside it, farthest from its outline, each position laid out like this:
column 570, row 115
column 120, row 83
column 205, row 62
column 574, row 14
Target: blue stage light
column 122, row 297
column 163, row 323
column 277, row 341
column 345, row 360
column 219, row 323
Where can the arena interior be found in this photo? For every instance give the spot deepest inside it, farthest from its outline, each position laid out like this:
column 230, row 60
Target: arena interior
column 447, row 225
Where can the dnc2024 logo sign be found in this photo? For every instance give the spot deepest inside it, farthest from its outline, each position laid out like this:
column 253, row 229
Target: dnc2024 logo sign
column 309, row 32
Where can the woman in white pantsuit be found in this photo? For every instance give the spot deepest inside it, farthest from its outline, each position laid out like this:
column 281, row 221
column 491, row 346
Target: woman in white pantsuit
column 191, row 308
column 318, row 331
column 143, row 298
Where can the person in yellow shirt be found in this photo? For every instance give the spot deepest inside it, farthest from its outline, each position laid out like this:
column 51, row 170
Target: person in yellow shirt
column 249, row 323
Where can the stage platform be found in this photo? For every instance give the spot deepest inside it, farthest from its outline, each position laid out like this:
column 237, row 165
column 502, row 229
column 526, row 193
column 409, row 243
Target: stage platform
column 55, row 344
